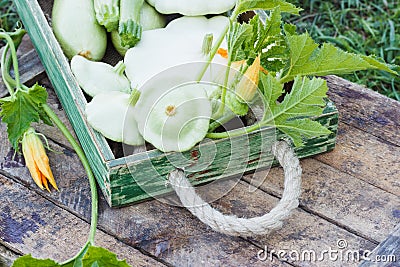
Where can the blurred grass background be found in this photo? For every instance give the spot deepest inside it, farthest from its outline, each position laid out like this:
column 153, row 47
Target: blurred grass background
column 360, row 26
column 369, row 27
column 8, row 15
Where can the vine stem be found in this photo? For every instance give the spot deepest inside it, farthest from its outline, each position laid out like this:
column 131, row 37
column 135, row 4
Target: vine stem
column 82, row 157
column 220, row 111
column 235, row 133
column 218, row 43
column 11, row 45
column 4, row 68
column 10, row 82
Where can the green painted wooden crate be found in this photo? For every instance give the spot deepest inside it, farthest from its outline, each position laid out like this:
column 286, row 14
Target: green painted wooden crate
column 142, row 175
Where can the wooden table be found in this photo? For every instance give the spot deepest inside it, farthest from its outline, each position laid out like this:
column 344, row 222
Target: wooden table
column 350, row 200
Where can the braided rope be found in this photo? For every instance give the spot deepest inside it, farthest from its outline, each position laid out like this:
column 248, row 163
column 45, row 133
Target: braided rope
column 232, row 225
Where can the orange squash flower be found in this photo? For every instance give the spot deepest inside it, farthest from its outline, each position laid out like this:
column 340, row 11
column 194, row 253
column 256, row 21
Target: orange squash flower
column 247, row 87
column 37, row 160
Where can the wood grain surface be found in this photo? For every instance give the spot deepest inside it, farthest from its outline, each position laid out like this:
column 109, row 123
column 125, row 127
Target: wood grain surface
column 350, row 194
column 387, row 253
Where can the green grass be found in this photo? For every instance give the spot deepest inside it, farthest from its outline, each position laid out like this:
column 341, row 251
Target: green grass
column 369, row 27
column 8, row 15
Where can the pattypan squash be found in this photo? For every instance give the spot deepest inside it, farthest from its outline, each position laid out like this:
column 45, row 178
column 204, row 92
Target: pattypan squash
column 112, row 115
column 192, row 7
column 181, row 42
column 149, row 19
column 99, row 77
column 175, row 118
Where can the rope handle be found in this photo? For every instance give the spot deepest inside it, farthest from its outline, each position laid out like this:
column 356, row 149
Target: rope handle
column 231, row 224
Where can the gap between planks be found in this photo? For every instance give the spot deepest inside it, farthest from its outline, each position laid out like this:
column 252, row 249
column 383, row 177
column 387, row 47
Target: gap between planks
column 365, row 157
column 43, row 213
column 7, row 255
column 145, row 253
column 388, row 248
column 321, row 215
column 68, row 208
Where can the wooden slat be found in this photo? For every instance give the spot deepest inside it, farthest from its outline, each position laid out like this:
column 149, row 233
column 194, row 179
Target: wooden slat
column 6, row 256
column 146, row 177
column 365, row 109
column 127, row 224
column 387, row 254
column 366, row 157
column 57, row 67
column 349, row 202
column 32, row 224
column 141, row 176
column 175, row 236
column 113, row 182
column 154, row 227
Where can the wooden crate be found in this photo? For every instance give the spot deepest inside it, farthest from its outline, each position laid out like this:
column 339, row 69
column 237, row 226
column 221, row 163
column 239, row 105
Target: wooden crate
column 140, row 176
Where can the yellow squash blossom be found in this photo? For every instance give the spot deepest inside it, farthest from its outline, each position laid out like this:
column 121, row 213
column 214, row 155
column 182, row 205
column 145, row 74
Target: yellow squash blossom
column 37, row 160
column 247, row 87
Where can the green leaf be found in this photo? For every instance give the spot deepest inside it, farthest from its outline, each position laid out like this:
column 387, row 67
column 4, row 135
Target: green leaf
column 90, row 257
column 271, row 89
column 275, row 58
column 101, row 257
column 306, row 58
column 268, row 33
column 248, row 5
column 77, row 261
column 304, row 128
column 236, row 106
column 28, row 261
column 305, row 101
column 289, row 29
column 379, row 65
column 255, row 38
column 19, row 111
column 237, row 35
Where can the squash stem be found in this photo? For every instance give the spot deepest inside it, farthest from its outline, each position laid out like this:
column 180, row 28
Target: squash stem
column 4, row 67
column 235, row 133
column 221, row 121
column 207, row 43
column 85, row 163
column 213, row 52
column 221, row 108
column 134, row 98
column 217, row 45
column 120, row 68
column 12, row 48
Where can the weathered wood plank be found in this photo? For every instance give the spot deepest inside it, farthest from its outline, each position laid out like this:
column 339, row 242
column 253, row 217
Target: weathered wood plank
column 366, row 157
column 151, row 227
column 178, row 238
column 95, row 146
column 6, row 256
column 32, row 224
column 302, row 231
column 387, row 254
column 345, row 200
column 365, row 109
